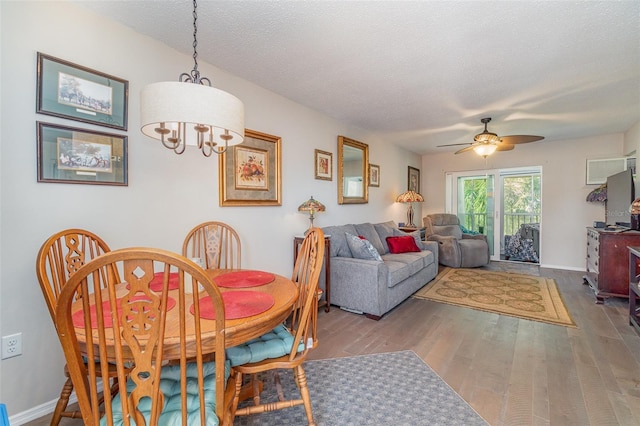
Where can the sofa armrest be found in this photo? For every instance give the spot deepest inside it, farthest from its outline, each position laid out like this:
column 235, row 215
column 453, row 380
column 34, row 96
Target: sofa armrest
column 448, row 250
column 359, row 284
column 432, row 246
column 474, row 237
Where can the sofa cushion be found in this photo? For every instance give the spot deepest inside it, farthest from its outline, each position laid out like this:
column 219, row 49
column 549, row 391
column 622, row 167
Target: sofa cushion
column 339, row 246
column 368, row 231
column 361, row 248
column 274, row 344
column 384, row 230
column 398, row 270
column 402, row 244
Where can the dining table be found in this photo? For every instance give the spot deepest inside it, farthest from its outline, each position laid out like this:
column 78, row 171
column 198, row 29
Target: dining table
column 255, row 303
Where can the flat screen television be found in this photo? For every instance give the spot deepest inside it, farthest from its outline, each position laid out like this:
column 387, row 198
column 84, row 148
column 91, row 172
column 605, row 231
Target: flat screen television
column 620, row 195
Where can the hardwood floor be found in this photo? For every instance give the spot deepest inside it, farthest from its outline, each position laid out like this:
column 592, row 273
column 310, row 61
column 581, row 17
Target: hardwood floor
column 511, row 371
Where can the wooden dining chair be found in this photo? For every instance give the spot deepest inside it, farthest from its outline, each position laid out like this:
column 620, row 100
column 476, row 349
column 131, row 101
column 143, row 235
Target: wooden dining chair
column 215, row 243
column 285, row 346
column 161, row 380
column 59, row 258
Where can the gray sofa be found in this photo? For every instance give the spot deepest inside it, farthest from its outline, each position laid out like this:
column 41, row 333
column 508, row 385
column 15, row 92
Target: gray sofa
column 374, row 287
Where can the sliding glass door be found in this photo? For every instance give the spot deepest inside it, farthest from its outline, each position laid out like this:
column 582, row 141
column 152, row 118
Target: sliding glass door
column 504, row 205
column 475, row 204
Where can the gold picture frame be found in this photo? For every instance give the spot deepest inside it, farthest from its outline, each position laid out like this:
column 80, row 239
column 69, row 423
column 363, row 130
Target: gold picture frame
column 323, row 165
column 250, row 174
column 374, row 175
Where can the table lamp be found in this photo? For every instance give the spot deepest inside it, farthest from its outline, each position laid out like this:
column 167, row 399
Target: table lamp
column 311, row 206
column 410, row 197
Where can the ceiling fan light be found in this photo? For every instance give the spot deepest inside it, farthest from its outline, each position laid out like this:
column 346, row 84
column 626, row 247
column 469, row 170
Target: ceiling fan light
column 485, row 149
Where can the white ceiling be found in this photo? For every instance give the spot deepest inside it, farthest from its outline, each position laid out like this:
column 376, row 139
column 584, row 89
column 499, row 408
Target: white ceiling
column 422, row 73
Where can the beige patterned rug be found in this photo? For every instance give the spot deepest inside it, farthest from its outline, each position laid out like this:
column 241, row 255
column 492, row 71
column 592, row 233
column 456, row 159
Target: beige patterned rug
column 523, row 296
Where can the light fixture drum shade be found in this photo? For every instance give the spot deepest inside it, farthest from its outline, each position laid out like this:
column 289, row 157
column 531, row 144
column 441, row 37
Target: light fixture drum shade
column 174, row 102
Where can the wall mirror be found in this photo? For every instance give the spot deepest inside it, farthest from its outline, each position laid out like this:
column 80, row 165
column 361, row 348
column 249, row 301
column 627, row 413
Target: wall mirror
column 353, row 163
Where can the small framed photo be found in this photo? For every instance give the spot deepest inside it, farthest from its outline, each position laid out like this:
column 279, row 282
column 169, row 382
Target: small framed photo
column 250, row 174
column 71, row 155
column 413, row 179
column 78, row 93
column 323, row 165
column 374, row 175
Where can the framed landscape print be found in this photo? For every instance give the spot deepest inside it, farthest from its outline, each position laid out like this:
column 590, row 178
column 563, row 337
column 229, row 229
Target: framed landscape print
column 78, row 93
column 250, row 173
column 413, row 179
column 323, row 165
column 71, row 155
column 374, row 175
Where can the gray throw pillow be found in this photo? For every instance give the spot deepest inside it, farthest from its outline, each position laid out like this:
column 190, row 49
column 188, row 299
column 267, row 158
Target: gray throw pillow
column 384, row 230
column 362, row 249
column 414, row 234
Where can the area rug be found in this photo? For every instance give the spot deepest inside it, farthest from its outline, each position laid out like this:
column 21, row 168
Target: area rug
column 395, row 388
column 523, row 296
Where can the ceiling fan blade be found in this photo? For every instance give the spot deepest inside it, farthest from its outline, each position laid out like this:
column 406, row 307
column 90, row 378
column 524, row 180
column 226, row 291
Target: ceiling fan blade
column 504, row 147
column 516, row 139
column 455, row 144
column 469, row 148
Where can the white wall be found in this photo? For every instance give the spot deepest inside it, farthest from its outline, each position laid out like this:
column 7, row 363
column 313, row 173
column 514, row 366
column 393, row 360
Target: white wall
column 167, row 194
column 565, row 211
column 632, row 140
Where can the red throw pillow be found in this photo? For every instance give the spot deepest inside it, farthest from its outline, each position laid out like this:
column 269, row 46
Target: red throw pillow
column 402, row 244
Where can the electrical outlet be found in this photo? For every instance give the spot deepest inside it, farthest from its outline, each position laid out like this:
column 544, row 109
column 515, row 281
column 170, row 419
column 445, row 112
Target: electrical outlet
column 11, row 345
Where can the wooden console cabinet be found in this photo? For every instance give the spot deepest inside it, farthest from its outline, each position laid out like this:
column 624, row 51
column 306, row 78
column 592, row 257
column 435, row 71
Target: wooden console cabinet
column 607, row 262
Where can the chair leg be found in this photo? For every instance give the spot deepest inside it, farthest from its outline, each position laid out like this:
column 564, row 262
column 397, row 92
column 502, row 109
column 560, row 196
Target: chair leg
column 61, row 406
column 236, row 396
column 255, row 386
column 301, row 380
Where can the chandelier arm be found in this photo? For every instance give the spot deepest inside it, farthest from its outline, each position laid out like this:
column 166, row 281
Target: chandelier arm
column 205, row 152
column 181, row 139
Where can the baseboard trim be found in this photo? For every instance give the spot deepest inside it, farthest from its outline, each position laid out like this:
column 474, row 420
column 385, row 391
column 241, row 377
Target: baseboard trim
column 566, row 268
column 42, row 410
column 38, row 411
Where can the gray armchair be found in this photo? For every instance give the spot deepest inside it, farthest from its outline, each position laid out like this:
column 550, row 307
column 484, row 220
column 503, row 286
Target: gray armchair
column 455, row 249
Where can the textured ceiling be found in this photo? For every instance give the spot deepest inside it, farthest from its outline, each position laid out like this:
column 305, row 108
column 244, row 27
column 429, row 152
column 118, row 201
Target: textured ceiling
column 422, row 73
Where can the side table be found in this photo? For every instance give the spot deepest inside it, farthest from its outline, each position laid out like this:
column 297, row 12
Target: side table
column 634, row 289
column 326, row 301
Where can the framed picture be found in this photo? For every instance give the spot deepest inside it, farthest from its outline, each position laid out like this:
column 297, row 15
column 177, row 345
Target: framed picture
column 324, row 165
column 374, row 175
column 413, row 179
column 250, row 174
column 71, row 155
column 71, row 91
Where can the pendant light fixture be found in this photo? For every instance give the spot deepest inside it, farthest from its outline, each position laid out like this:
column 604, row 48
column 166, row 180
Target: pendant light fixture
column 192, row 112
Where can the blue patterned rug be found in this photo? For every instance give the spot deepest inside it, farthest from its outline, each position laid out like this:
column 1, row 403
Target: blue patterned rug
column 395, row 388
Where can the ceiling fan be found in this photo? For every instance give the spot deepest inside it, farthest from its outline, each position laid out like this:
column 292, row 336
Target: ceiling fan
column 486, row 143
